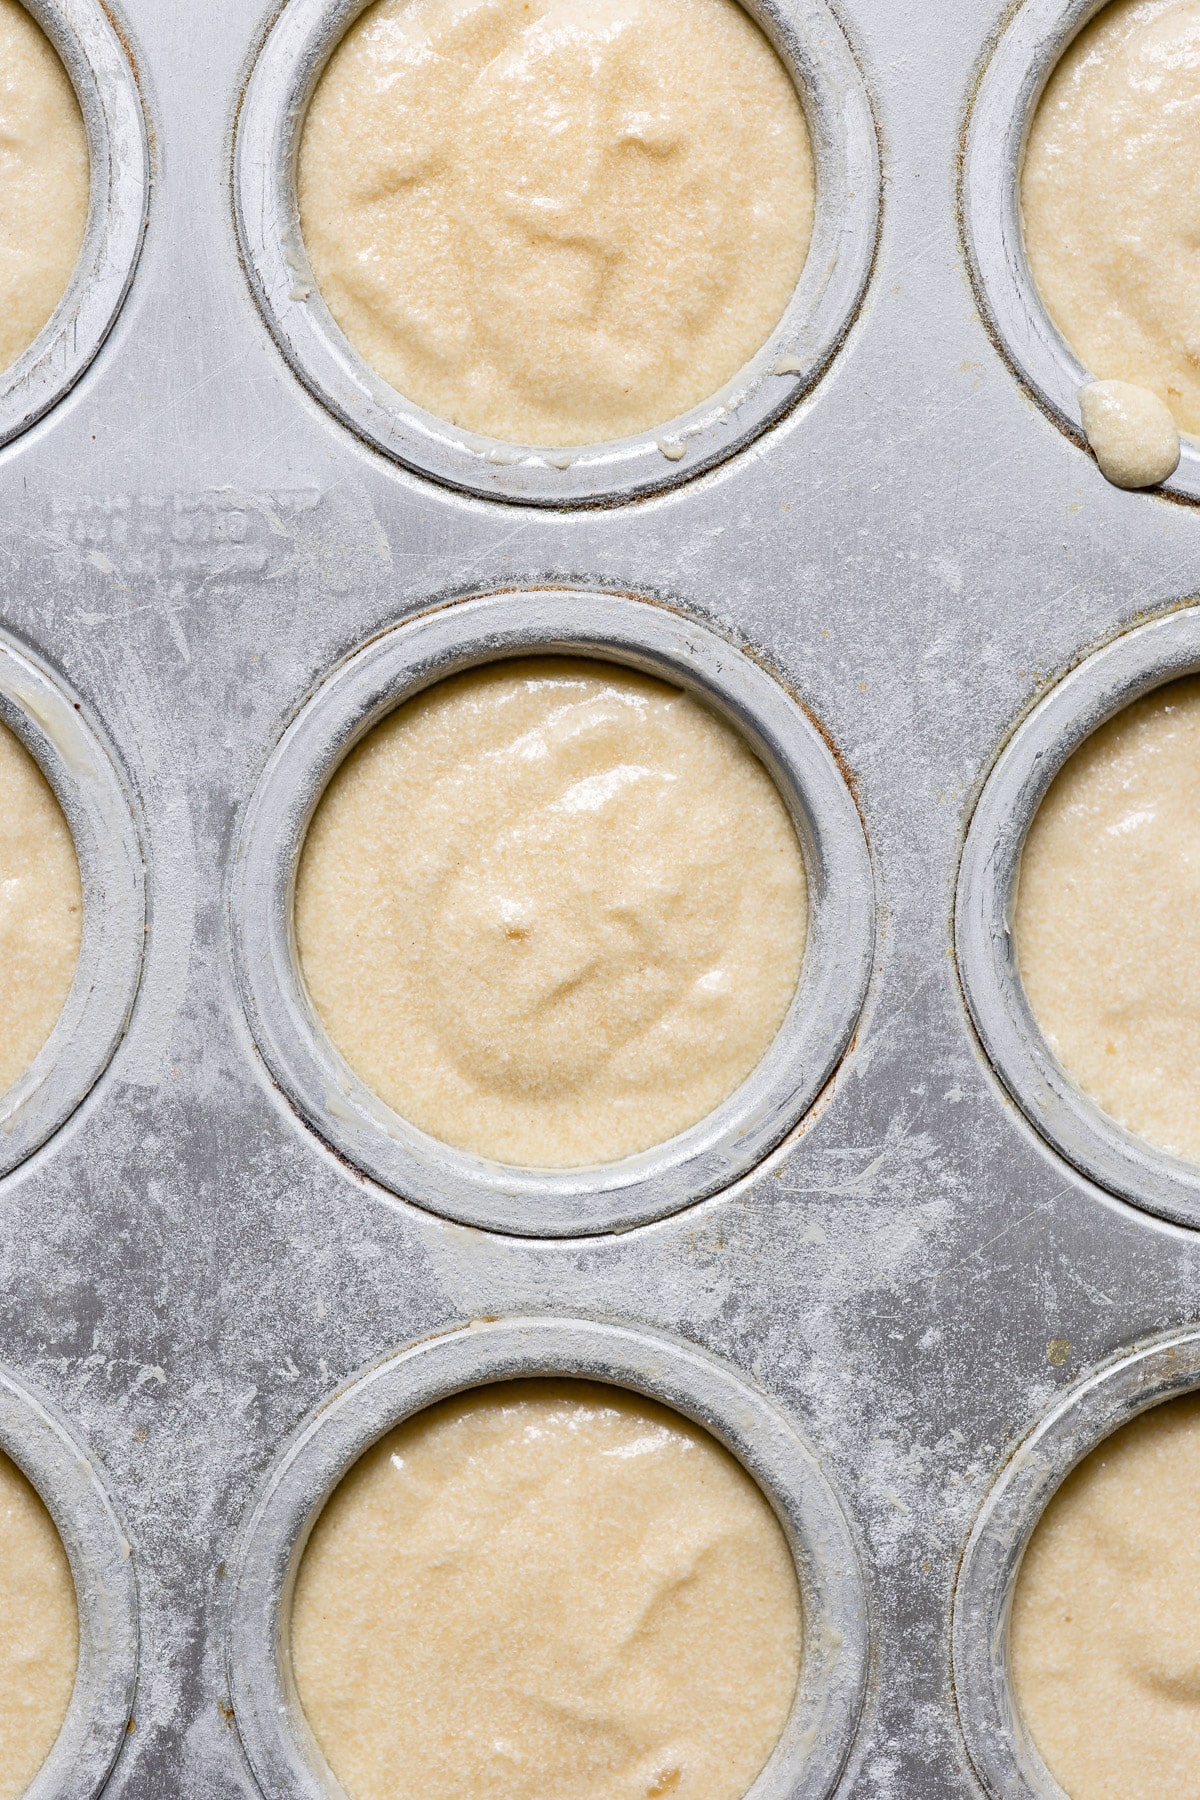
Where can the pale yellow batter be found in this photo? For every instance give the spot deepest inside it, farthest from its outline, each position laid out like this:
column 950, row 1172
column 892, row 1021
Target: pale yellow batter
column 1111, row 199
column 1108, row 917
column 41, row 909
column 39, row 1632
column 1131, row 431
column 547, row 1588
column 552, row 912
column 556, row 221
column 43, row 180
column 1105, row 1637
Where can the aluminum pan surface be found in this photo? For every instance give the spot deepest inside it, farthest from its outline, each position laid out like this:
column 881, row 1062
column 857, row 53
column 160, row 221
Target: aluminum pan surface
column 194, row 544
column 808, row 1757
column 807, row 39
column 736, row 1135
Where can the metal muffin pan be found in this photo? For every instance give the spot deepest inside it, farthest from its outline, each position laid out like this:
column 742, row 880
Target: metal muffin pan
column 813, row 48
column 745, row 1127
column 38, row 1440
column 1010, row 87
column 1133, row 665
column 94, row 57
column 198, row 551
column 1004, row 1755
column 808, row 1759
column 73, row 757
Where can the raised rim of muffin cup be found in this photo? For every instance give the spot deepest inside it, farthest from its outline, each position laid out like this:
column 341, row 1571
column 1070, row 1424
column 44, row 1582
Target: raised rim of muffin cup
column 44, row 715
column 1103, row 685
column 1019, row 64
column 813, row 48
column 1001, row 1748
column 91, row 51
column 74, row 1492
column 812, row 1750
column 473, row 1190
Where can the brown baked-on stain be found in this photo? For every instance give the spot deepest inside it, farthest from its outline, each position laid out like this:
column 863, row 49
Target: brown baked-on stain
column 665, row 1783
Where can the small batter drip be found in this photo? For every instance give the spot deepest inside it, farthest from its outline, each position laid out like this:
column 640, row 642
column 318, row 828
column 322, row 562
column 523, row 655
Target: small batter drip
column 1132, row 433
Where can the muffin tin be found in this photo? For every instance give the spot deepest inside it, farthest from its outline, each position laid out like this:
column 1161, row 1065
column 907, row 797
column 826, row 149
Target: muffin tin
column 45, row 717
column 818, row 1732
column 221, row 1267
column 994, row 144
column 1003, row 1751
column 36, row 1437
column 813, row 48
column 1103, row 685
column 741, row 1131
column 87, row 41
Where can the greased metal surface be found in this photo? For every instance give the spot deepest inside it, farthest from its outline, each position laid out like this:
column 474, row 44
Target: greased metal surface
column 917, row 552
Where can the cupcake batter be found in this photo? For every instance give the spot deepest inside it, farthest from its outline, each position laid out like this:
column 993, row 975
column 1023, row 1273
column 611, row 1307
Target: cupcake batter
column 547, row 1588
column 1105, row 1638
column 43, row 180
column 39, row 1632
column 1109, row 196
column 551, row 911
column 41, row 909
column 1132, row 433
column 556, row 221
column 1108, row 917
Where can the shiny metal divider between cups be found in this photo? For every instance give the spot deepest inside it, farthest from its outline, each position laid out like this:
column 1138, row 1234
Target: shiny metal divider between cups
column 1021, row 62
column 813, row 48
column 743, row 1129
column 1095, row 691
column 80, row 768
column 94, row 57
column 1002, row 1752
column 809, row 1757
column 75, row 1494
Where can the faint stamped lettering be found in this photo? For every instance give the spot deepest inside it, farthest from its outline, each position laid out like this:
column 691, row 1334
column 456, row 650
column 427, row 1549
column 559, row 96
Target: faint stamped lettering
column 220, row 534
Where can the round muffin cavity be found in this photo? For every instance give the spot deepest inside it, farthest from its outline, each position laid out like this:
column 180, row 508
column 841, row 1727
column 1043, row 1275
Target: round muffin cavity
column 546, row 1587
column 551, row 911
column 1105, row 1634
column 44, row 176
column 1107, row 924
column 1107, row 194
column 41, row 909
column 556, row 222
column 39, row 1645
